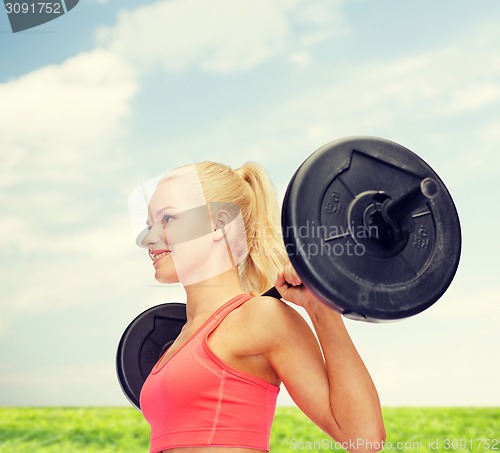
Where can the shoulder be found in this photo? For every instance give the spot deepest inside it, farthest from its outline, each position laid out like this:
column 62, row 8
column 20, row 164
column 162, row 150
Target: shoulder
column 270, row 321
column 265, row 308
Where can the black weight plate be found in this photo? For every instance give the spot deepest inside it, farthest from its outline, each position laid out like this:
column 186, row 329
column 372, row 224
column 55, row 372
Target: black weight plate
column 143, row 342
column 358, row 276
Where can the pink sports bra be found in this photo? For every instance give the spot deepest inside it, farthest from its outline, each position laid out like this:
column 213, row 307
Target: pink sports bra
column 195, row 399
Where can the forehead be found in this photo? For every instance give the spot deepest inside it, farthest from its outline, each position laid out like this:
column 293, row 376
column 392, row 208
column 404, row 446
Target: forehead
column 181, row 190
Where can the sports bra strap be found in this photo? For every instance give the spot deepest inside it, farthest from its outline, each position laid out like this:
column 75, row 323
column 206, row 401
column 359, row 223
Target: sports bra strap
column 227, row 308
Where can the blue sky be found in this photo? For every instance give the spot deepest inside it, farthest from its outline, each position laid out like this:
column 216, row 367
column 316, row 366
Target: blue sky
column 116, row 92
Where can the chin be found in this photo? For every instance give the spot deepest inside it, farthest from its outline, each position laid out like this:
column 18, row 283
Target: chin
column 162, row 277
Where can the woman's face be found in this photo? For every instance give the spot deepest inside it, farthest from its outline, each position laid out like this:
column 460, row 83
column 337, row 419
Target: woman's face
column 181, row 240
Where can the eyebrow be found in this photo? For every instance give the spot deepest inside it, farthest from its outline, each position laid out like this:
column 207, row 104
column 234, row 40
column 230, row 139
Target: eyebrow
column 164, row 209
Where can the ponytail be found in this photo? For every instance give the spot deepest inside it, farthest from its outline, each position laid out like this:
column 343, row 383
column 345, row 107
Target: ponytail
column 266, row 252
column 250, row 188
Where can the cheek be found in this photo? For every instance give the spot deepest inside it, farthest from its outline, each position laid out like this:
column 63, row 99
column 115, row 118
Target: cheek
column 203, row 243
column 187, row 234
column 192, row 252
column 191, row 260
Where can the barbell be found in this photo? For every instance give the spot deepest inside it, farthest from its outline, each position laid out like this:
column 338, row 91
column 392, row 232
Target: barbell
column 370, row 229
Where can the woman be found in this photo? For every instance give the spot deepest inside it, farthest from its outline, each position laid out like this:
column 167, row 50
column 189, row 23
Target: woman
column 214, row 390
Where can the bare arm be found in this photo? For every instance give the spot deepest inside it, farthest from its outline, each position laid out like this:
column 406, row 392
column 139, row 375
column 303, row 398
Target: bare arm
column 354, row 400
column 353, row 414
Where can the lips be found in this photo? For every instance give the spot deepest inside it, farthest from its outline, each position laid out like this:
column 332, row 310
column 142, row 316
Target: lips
column 156, row 255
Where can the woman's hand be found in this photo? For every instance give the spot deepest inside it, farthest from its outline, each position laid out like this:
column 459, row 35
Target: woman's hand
column 291, row 288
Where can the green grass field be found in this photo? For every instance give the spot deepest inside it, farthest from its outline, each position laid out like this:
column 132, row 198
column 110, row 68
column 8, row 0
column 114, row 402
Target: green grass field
column 117, row 430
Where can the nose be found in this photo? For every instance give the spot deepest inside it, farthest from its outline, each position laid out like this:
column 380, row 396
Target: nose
column 156, row 234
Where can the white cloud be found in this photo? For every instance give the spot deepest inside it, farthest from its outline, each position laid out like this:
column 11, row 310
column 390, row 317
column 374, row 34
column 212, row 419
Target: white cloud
column 222, row 36
column 58, row 270
column 429, row 378
column 320, row 132
column 439, row 357
column 61, row 126
column 474, row 96
column 75, row 262
column 60, row 117
column 427, row 99
column 456, row 304
column 300, row 59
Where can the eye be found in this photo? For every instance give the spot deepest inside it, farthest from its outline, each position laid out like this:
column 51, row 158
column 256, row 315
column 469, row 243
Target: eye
column 166, row 218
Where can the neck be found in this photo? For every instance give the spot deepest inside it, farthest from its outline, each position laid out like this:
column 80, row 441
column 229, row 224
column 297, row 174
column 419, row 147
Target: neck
column 205, row 297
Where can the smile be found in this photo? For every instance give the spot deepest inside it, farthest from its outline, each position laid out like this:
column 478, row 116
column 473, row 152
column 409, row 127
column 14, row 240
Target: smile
column 156, row 255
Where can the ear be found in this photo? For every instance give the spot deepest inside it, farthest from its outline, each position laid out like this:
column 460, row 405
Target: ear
column 222, row 220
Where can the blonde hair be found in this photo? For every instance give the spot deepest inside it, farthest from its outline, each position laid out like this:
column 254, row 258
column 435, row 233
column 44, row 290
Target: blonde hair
column 250, row 188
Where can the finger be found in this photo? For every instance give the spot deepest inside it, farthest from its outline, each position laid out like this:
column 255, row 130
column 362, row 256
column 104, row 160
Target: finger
column 295, row 277
column 291, row 275
column 287, row 272
column 280, row 280
column 281, row 285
